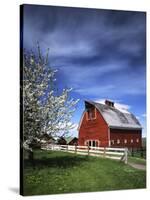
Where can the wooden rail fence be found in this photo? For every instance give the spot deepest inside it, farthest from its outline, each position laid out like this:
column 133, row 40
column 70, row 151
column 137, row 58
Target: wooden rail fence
column 106, row 152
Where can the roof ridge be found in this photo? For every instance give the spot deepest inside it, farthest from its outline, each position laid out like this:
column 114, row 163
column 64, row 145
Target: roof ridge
column 116, row 117
column 115, row 108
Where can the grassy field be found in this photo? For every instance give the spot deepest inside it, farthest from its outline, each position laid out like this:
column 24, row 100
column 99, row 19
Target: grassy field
column 59, row 172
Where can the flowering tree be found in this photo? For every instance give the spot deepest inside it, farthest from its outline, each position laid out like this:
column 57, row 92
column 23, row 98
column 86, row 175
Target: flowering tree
column 44, row 109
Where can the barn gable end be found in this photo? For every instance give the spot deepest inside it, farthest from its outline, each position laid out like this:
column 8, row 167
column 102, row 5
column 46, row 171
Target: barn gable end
column 116, row 118
column 93, row 130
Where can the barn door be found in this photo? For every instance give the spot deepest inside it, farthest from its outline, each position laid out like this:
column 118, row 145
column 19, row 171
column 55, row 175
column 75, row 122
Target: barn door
column 94, row 143
column 90, row 143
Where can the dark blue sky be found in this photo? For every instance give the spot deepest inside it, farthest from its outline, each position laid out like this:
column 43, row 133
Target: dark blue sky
column 101, row 54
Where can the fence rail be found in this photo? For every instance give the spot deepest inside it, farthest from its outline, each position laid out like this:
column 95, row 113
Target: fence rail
column 112, row 153
column 138, row 152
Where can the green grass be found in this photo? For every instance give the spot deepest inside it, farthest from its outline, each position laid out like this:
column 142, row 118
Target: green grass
column 60, row 172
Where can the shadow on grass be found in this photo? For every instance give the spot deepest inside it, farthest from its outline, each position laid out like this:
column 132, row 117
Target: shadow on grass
column 57, row 162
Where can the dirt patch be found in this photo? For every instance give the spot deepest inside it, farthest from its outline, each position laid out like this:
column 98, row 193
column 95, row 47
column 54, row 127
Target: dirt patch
column 137, row 166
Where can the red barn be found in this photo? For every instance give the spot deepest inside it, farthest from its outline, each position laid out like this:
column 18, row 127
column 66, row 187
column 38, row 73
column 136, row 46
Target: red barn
column 105, row 125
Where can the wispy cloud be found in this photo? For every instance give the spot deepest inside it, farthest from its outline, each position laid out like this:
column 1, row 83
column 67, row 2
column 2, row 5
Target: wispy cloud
column 100, row 53
column 95, row 91
column 138, row 117
column 121, row 106
column 74, row 132
column 92, row 48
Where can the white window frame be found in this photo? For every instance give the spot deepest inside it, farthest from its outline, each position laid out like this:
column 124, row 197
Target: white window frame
column 87, row 142
column 118, row 141
column 125, row 141
column 89, row 119
column 112, row 142
column 137, row 140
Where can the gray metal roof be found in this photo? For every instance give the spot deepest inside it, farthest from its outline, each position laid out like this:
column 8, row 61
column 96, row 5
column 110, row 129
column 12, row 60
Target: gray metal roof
column 115, row 118
column 69, row 139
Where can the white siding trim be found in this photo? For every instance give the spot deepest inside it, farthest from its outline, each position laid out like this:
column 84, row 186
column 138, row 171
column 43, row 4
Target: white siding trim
column 137, row 140
column 109, row 142
column 81, row 120
column 125, row 141
column 118, row 141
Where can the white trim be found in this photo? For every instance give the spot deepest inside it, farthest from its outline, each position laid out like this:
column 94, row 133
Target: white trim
column 89, row 119
column 95, row 113
column 109, row 142
column 125, row 141
column 112, row 142
column 91, row 140
column 85, row 142
column 137, row 140
column 81, row 120
column 125, row 128
column 118, row 141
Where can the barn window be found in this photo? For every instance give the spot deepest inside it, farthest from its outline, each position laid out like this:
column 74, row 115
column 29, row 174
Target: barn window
column 137, row 140
column 90, row 143
column 91, row 114
column 94, row 143
column 112, row 142
column 131, row 140
column 118, row 141
column 125, row 141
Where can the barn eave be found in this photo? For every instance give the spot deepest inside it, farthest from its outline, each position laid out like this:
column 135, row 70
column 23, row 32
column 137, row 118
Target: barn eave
column 125, row 128
column 117, row 119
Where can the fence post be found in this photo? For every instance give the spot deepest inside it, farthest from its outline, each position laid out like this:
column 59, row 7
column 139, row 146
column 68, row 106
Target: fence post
column 88, row 150
column 75, row 149
column 104, row 152
column 126, row 156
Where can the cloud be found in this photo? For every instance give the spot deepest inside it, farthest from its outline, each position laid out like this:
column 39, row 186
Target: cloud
column 120, row 106
column 110, row 79
column 73, row 132
column 86, row 32
column 90, row 74
column 95, row 91
column 100, row 53
column 137, row 117
column 144, row 115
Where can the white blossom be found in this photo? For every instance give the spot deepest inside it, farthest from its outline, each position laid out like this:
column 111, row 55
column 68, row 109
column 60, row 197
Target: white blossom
column 45, row 111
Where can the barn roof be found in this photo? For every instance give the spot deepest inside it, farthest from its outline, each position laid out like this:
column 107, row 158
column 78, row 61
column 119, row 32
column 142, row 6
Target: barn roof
column 116, row 118
column 69, row 139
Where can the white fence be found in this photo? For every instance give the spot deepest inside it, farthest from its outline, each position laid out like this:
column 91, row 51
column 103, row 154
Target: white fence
column 113, row 153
